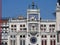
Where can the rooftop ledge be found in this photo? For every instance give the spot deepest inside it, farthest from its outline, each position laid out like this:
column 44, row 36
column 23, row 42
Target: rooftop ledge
column 33, row 9
column 48, row 20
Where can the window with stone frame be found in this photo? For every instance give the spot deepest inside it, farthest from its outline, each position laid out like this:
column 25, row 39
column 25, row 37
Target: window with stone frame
column 12, row 36
column 52, row 36
column 43, row 27
column 51, row 27
column 22, row 42
column 11, row 25
column 52, row 42
column 21, row 25
column 44, row 42
column 22, row 36
column 44, row 36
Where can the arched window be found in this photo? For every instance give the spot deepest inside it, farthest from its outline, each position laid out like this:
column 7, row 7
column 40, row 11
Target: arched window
column 45, row 42
column 45, row 36
column 54, row 42
column 5, row 43
column 42, row 42
column 50, row 36
column 2, row 43
column 50, row 42
column 42, row 36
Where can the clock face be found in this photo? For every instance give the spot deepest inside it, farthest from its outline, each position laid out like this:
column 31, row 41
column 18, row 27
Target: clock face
column 33, row 40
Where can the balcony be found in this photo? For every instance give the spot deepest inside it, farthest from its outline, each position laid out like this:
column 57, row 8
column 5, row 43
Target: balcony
column 33, row 31
column 35, row 21
column 12, row 38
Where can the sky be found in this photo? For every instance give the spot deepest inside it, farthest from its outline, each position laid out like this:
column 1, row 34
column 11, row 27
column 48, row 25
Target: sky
column 15, row 8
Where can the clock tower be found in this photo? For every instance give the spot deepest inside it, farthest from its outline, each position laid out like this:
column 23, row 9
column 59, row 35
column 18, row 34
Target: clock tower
column 33, row 18
column 33, row 25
